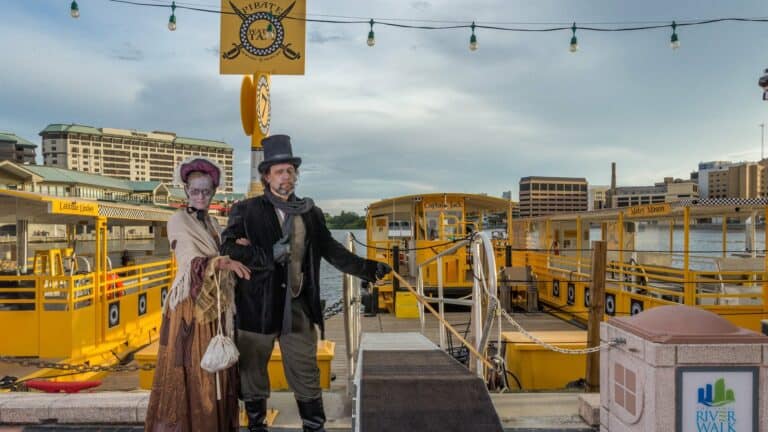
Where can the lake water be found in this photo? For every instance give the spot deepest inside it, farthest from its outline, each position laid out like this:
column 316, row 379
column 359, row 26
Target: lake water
column 704, row 242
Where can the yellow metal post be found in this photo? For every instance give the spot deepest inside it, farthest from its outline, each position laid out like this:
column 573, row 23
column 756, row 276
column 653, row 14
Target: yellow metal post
column 765, row 262
column 509, row 224
column 255, row 114
column 688, row 287
column 620, row 236
column 725, row 236
column 100, row 276
column 578, row 244
column 672, row 235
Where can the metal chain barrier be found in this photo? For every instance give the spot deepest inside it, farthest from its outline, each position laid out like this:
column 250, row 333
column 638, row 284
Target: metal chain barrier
column 78, row 368
column 534, row 339
column 333, row 310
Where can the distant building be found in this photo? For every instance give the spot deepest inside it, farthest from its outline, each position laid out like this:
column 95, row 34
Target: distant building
column 64, row 183
column 16, row 149
column 551, row 195
column 129, row 154
column 597, row 197
column 703, row 176
column 670, row 190
column 739, row 180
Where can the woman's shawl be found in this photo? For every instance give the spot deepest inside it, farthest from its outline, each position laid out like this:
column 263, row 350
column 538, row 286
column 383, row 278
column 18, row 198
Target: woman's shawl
column 197, row 251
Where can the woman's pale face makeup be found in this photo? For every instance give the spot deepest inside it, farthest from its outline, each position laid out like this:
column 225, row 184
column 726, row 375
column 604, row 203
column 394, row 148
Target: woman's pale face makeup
column 200, row 191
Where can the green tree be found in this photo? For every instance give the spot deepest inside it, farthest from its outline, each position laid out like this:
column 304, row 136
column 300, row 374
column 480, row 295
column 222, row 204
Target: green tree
column 345, row 220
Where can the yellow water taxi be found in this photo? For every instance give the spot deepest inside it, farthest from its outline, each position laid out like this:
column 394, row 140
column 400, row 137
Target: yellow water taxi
column 408, row 232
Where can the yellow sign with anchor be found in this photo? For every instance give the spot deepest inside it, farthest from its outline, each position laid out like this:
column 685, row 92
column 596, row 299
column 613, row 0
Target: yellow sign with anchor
column 74, row 208
column 263, row 36
column 660, row 209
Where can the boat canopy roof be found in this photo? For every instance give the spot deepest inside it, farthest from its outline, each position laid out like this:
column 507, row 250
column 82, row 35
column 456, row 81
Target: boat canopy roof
column 471, row 201
column 45, row 209
column 730, row 207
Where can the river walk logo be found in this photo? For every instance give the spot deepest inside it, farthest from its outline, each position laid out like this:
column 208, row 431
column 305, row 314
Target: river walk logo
column 262, row 36
column 722, row 396
column 713, row 414
column 716, row 399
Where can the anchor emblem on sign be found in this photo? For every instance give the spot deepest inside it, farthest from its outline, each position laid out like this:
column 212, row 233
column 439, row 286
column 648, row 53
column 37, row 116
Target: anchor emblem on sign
column 246, row 33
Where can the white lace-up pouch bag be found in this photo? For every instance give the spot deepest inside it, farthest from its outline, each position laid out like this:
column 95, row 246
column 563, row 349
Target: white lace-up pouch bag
column 222, row 351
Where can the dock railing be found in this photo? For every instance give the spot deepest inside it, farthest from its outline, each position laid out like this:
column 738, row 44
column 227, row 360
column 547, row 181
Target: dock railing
column 735, row 287
column 352, row 329
column 75, row 315
column 483, row 307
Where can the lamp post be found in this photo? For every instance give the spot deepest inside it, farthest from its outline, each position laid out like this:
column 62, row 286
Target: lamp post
column 762, row 141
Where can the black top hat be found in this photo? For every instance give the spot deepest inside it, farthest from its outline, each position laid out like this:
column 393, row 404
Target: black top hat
column 277, row 149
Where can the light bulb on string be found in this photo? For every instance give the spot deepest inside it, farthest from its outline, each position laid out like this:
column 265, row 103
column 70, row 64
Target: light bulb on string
column 172, row 19
column 574, row 42
column 74, row 10
column 371, row 38
column 674, row 41
column 473, row 39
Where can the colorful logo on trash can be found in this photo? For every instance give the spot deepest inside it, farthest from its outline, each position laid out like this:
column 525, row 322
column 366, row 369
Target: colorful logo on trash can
column 714, row 413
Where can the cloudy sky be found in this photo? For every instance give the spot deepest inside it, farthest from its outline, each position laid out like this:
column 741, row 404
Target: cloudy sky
column 419, row 112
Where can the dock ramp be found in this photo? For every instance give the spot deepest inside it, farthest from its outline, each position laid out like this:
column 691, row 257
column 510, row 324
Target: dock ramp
column 404, row 382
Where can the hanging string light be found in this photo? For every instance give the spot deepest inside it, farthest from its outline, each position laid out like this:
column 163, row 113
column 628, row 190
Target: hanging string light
column 574, row 42
column 172, row 19
column 674, row 41
column 624, row 26
column 74, row 11
column 371, row 38
column 473, row 39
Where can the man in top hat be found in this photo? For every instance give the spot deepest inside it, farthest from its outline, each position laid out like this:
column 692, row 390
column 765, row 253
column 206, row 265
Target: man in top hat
column 281, row 238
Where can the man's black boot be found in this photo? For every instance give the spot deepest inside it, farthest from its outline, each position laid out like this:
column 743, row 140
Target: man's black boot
column 257, row 415
column 312, row 415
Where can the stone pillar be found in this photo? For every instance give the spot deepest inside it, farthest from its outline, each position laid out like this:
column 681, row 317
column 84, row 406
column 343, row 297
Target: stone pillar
column 682, row 369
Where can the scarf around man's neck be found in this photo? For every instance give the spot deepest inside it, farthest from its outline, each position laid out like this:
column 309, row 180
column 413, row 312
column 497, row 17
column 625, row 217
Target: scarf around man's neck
column 293, row 206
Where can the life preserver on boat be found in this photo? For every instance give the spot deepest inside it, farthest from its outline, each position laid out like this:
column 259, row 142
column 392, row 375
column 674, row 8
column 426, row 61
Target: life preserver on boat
column 114, row 286
column 66, row 387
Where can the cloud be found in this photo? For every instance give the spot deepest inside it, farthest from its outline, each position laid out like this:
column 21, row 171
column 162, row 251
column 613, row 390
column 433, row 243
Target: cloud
column 127, row 52
column 316, row 37
column 418, row 112
column 421, row 5
column 214, row 50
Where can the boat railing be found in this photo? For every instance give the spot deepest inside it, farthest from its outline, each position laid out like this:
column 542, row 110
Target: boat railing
column 67, row 315
column 352, row 309
column 483, row 307
column 654, row 278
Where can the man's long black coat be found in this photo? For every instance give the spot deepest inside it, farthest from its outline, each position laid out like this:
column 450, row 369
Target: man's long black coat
column 260, row 300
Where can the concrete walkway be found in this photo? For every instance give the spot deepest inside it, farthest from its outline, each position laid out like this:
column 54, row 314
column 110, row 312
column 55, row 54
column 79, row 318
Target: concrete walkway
column 125, row 411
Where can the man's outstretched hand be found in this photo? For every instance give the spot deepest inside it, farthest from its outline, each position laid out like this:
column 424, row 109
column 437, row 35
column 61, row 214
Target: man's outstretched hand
column 382, row 269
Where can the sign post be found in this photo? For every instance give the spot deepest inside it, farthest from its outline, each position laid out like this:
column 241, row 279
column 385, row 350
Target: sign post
column 259, row 39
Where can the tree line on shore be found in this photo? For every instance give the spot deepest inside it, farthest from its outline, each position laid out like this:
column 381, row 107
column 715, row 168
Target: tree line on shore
column 345, row 220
